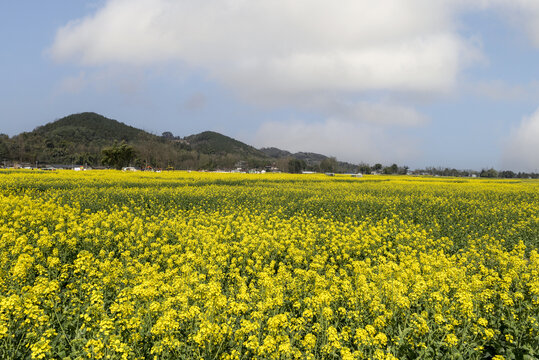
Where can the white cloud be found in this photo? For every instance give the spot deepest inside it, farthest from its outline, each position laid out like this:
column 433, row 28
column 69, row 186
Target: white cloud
column 279, row 49
column 268, row 47
column 522, row 148
column 380, row 112
column 303, row 52
column 348, row 141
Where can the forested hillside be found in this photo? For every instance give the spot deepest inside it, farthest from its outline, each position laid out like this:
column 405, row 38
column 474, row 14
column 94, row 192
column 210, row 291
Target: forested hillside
column 82, row 138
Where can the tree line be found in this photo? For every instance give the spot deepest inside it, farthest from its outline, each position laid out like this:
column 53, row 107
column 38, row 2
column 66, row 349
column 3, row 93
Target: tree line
column 170, row 152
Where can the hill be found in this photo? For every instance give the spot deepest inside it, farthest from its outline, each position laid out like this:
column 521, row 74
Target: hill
column 312, row 161
column 275, row 152
column 210, row 142
column 89, row 127
column 80, row 139
column 74, row 139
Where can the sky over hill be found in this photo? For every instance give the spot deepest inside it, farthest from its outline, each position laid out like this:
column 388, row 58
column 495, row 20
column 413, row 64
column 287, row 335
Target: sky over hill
column 418, row 82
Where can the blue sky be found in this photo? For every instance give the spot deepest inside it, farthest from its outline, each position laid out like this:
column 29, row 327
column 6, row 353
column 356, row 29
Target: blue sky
column 416, row 82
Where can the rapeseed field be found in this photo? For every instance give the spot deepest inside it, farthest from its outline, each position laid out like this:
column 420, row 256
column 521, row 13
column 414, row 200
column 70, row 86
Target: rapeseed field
column 112, row 265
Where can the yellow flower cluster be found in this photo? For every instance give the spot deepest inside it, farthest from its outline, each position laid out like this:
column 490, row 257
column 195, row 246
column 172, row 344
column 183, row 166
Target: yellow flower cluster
column 112, row 265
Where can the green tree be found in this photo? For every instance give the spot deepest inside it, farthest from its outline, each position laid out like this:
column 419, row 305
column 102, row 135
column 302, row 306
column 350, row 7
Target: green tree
column 490, row 173
column 364, row 168
column 403, row 170
column 296, row 166
column 4, row 149
column 393, row 169
column 167, row 135
column 328, row 165
column 118, row 155
column 508, row 174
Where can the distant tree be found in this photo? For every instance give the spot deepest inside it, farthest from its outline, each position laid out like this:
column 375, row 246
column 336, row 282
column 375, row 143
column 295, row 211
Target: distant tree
column 253, row 163
column 490, row 173
column 296, row 166
column 507, row 174
column 451, row 172
column 85, row 158
column 393, row 169
column 377, row 167
column 118, row 155
column 167, row 135
column 281, row 164
column 403, row 170
column 328, row 165
column 4, row 147
column 364, row 169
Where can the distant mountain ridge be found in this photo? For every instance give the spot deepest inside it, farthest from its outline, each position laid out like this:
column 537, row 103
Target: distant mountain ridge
column 210, row 142
column 80, row 139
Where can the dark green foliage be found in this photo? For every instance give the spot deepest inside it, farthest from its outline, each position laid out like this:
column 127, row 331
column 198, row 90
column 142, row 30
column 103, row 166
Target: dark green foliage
column 209, row 142
column 118, row 155
column 296, row 166
column 310, row 160
column 74, row 139
column 4, row 146
column 167, row 135
column 507, row 174
column 81, row 139
column 275, row 152
column 364, row 168
column 90, row 126
column 490, row 173
column 328, row 165
column 393, row 169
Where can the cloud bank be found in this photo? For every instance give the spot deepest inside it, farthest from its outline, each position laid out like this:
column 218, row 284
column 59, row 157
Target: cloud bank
column 278, row 46
column 294, row 53
column 522, row 149
column 346, row 140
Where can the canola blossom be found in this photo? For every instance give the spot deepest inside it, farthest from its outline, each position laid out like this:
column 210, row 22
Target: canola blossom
column 112, row 265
